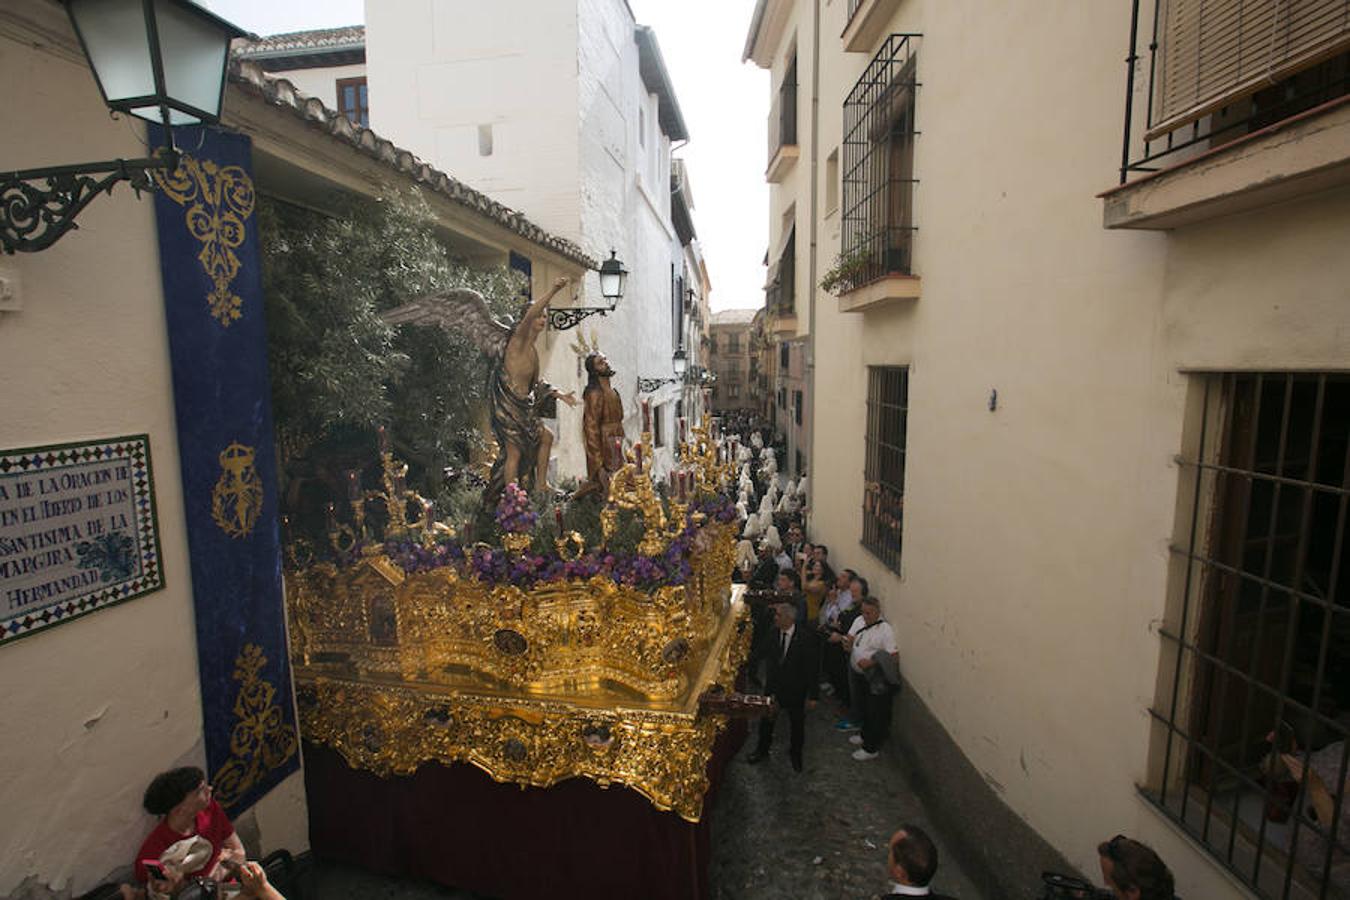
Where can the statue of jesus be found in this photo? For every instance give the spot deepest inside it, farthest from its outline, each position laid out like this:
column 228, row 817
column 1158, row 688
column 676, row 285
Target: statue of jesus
column 601, row 424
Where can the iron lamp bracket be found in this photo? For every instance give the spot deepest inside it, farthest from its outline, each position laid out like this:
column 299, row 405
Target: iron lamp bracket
column 38, row 206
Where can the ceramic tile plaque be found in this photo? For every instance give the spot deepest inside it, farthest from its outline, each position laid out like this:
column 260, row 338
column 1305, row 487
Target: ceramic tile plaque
column 77, row 531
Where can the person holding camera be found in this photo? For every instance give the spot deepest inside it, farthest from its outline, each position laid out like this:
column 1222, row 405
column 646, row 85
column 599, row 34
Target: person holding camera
column 183, row 799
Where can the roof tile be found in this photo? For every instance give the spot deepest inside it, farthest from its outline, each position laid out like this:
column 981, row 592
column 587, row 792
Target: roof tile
column 280, row 92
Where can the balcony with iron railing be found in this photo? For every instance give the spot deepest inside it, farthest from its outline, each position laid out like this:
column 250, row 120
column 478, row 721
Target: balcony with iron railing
column 1230, row 108
column 867, row 23
column 783, row 148
column 876, row 256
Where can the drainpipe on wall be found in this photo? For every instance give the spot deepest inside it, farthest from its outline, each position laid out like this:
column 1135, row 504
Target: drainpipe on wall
column 809, row 357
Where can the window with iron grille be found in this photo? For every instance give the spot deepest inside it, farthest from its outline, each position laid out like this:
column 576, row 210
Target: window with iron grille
column 878, row 169
column 1257, row 640
column 1221, row 69
column 797, row 407
column 354, row 101
column 884, row 472
column 783, row 357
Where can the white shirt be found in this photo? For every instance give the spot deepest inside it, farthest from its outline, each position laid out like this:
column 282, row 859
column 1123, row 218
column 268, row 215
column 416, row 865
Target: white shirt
column 867, row 642
column 785, row 640
column 909, row 890
column 841, row 603
column 784, row 561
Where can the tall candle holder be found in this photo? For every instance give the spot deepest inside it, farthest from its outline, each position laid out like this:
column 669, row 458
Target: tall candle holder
column 395, row 497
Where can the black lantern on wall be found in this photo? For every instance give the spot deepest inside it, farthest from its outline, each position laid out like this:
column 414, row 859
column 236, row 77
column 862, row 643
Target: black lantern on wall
column 680, row 361
column 164, row 61
column 613, row 279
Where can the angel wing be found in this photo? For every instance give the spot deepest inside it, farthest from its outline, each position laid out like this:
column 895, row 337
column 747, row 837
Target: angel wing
column 459, row 310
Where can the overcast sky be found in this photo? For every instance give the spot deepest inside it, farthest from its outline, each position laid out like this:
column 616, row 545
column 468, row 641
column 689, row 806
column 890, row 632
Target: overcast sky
column 725, row 103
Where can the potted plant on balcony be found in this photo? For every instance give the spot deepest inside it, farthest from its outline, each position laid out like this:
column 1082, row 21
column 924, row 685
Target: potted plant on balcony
column 848, row 272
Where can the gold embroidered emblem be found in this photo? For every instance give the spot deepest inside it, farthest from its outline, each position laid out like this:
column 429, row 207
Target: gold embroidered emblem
column 237, row 498
column 219, row 202
column 261, row 740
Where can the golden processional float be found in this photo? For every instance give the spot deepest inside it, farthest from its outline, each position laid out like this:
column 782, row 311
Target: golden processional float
column 535, row 668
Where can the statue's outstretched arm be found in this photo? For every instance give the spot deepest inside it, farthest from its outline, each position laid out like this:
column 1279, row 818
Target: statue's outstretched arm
column 540, row 304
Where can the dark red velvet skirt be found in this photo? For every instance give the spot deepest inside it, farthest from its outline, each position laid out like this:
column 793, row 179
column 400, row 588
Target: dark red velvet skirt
column 456, row 826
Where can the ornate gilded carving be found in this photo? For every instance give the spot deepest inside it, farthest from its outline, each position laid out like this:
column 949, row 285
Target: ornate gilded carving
column 261, row 740
column 440, row 626
column 660, row 750
column 219, row 202
column 237, row 498
column 593, row 677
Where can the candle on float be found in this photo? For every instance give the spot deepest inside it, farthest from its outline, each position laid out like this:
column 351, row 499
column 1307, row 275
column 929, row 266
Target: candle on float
column 557, row 517
column 332, row 517
column 683, row 490
column 399, row 483
column 353, row 485
column 383, row 435
column 285, row 529
column 672, row 482
column 637, row 451
column 618, row 453
column 681, row 429
column 428, row 514
column 646, row 416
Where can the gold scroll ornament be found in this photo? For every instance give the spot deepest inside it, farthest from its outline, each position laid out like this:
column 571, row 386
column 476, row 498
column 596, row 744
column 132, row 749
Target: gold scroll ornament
column 261, row 740
column 219, row 202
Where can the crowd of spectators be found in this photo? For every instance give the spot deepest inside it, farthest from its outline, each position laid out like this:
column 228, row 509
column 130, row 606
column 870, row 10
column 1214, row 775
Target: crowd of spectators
column 819, row 631
column 852, row 649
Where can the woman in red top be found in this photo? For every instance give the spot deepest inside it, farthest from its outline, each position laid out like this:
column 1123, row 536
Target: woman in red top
column 183, row 798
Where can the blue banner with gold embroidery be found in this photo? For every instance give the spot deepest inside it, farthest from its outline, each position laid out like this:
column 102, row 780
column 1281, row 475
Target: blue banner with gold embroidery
column 210, row 264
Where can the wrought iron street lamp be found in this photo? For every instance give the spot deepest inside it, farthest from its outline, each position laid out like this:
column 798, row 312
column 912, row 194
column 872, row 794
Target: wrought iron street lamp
column 681, row 364
column 613, row 277
column 160, row 60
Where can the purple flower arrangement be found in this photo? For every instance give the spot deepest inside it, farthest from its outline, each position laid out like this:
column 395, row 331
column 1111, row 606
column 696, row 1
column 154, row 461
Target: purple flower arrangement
column 495, row 566
column 513, row 511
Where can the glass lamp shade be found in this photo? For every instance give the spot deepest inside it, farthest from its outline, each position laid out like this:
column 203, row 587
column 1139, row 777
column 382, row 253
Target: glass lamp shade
column 612, row 278
column 156, row 58
column 681, row 363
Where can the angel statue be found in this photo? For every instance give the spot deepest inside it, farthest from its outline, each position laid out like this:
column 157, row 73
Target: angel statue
column 514, row 389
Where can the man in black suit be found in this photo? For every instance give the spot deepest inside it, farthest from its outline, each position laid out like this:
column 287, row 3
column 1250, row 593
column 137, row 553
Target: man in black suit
column 912, row 862
column 793, row 666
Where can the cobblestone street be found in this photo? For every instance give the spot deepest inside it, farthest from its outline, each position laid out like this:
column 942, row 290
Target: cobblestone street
column 820, row 834
column 777, row 834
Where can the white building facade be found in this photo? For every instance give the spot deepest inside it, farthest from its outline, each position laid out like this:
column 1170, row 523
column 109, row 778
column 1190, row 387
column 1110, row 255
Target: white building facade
column 564, row 111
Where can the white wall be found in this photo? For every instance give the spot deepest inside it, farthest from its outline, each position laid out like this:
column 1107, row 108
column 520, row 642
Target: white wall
column 322, row 83
column 1036, row 537
column 559, row 84
column 94, row 708
column 439, row 69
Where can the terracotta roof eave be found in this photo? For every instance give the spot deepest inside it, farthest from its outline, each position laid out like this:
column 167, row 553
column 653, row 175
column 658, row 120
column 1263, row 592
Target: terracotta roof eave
column 282, row 93
column 313, row 39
